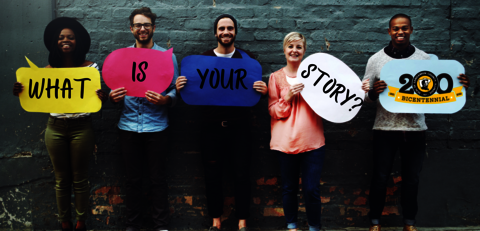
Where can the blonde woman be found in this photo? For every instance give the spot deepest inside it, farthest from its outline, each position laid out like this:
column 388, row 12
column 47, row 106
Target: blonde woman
column 297, row 136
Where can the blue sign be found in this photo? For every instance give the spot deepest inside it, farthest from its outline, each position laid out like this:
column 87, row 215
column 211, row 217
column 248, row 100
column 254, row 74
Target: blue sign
column 433, row 57
column 220, row 81
column 422, row 86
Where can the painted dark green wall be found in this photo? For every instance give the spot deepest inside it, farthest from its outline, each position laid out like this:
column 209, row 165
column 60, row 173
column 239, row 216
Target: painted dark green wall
column 355, row 30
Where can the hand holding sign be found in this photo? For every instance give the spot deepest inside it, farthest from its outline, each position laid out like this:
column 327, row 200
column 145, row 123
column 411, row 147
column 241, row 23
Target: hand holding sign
column 423, row 86
column 293, row 90
column 379, row 87
column 261, row 87
column 464, row 80
column 157, row 99
column 138, row 70
column 332, row 89
column 58, row 90
column 17, row 88
column 220, row 81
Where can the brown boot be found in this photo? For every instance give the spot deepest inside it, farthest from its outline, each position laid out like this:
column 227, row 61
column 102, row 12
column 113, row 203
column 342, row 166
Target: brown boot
column 409, row 228
column 375, row 228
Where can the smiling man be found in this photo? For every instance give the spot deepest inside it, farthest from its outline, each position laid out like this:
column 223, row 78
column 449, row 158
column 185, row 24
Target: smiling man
column 143, row 133
column 226, row 136
column 396, row 131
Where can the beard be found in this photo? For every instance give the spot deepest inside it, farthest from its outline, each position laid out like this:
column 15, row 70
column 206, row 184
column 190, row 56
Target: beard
column 226, row 44
column 146, row 41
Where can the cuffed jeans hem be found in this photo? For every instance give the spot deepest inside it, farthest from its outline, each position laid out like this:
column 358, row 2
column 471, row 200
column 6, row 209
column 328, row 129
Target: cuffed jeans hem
column 81, row 217
column 64, row 219
column 292, row 225
column 375, row 221
column 409, row 222
column 314, row 228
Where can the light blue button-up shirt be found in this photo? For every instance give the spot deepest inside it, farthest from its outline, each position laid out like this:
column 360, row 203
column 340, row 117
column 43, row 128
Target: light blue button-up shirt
column 139, row 115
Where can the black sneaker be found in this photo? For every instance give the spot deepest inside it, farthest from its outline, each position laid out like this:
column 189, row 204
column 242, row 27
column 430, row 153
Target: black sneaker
column 132, row 229
column 244, row 229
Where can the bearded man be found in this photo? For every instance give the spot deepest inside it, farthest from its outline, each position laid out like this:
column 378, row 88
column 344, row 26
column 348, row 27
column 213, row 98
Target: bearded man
column 143, row 133
column 226, row 136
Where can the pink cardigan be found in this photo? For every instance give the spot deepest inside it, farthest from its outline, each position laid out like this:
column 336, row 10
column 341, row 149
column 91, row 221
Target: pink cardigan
column 295, row 126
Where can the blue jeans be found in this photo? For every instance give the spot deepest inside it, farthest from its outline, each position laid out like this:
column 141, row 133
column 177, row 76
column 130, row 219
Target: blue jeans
column 311, row 164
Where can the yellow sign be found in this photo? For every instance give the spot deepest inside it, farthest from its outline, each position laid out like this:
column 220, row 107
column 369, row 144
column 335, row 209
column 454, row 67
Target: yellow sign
column 59, row 90
column 433, row 99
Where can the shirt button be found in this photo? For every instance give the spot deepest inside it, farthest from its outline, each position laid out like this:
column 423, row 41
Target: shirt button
column 139, row 113
column 141, row 102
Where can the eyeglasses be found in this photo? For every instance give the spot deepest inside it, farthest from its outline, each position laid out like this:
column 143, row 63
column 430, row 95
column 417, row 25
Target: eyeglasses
column 138, row 26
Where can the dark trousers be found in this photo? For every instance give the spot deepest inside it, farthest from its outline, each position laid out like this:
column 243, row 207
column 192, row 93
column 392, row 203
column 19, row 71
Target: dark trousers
column 70, row 144
column 140, row 151
column 412, row 150
column 228, row 146
column 310, row 163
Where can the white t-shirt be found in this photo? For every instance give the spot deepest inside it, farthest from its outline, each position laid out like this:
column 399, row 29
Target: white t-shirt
column 290, row 79
column 229, row 55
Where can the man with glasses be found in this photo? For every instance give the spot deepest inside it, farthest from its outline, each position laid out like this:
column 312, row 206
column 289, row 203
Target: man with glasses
column 143, row 134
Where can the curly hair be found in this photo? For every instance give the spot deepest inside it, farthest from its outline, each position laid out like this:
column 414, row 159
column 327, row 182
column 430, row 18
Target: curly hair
column 143, row 11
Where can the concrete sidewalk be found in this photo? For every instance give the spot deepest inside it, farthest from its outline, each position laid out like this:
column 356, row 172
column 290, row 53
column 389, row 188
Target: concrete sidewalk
column 471, row 228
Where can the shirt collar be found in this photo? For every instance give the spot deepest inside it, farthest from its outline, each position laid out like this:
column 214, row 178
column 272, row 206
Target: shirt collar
column 154, row 46
column 393, row 52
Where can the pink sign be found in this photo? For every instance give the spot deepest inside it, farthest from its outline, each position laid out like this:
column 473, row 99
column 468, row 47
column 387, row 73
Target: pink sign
column 138, row 70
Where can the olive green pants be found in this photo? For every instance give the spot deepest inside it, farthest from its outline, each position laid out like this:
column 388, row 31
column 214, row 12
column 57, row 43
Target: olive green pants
column 70, row 143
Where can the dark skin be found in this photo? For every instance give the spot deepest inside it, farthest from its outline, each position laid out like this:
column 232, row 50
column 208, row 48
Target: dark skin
column 400, row 31
column 66, row 45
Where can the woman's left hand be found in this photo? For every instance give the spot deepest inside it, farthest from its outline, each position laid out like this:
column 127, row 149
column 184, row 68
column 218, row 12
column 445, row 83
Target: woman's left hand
column 293, row 90
column 102, row 95
column 260, row 86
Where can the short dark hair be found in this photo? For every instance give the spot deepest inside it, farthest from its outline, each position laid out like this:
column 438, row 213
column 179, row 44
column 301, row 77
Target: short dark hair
column 399, row 16
column 224, row 16
column 143, row 11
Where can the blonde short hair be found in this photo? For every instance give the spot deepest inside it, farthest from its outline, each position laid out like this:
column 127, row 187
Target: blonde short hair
column 294, row 36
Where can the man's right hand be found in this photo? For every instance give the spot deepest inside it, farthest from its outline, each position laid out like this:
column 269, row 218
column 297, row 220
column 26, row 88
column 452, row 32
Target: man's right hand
column 118, row 94
column 180, row 83
column 379, row 87
column 17, row 88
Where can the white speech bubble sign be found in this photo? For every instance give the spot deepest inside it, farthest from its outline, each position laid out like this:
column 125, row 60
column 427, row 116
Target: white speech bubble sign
column 331, row 89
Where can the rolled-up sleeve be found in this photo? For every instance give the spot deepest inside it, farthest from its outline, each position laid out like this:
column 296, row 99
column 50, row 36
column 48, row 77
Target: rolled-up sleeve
column 171, row 90
column 369, row 74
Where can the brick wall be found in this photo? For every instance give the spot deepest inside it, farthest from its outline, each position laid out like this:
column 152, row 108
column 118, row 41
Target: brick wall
column 355, row 30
